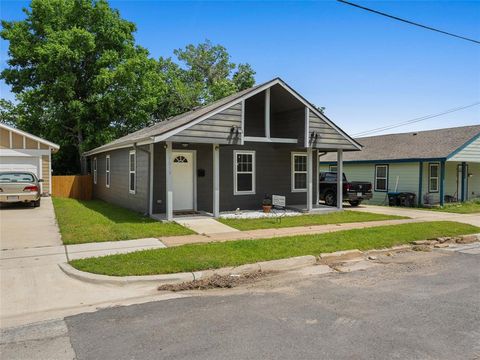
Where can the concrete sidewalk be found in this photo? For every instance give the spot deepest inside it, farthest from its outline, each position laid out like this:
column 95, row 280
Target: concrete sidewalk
column 204, row 225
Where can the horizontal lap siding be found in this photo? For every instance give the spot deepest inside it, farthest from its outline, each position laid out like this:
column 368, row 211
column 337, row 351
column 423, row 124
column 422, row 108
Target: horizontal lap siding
column 326, row 134
column 215, row 129
column 118, row 192
column 470, row 153
column 273, row 176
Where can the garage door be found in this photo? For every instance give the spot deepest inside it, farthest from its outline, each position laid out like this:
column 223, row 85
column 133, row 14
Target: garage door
column 19, row 163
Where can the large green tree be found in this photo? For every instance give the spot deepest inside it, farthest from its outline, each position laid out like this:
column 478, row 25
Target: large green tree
column 78, row 76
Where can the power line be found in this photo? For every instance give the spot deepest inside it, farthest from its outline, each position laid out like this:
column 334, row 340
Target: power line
column 409, row 22
column 415, row 120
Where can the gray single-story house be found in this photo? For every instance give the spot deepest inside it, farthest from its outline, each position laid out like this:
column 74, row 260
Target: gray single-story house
column 438, row 166
column 222, row 156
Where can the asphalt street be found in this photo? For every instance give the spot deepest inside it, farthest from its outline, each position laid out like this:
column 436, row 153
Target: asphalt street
column 414, row 305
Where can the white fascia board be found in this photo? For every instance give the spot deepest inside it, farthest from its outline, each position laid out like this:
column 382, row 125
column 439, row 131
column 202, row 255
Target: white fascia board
column 239, row 100
column 24, row 152
column 33, row 137
column 319, row 114
column 120, row 146
column 270, row 140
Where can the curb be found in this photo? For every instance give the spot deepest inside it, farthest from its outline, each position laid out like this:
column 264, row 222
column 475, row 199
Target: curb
column 339, row 256
column 273, row 265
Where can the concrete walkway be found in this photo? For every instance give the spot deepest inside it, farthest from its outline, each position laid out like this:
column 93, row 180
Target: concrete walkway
column 204, row 225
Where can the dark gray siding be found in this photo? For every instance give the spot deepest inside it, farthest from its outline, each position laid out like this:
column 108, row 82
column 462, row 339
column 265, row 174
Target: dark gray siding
column 327, row 135
column 204, row 157
column 289, row 124
column 118, row 192
column 215, row 130
column 255, row 115
column 273, row 176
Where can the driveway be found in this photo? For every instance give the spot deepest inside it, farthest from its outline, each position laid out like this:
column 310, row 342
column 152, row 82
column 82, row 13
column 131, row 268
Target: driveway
column 420, row 215
column 27, row 227
column 32, row 286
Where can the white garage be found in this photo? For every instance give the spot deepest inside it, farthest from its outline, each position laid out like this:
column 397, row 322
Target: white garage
column 21, row 151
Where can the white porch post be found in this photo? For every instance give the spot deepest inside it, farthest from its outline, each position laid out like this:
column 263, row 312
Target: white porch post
column 317, row 177
column 150, row 193
column 216, row 180
column 309, row 179
column 168, row 182
column 340, row 179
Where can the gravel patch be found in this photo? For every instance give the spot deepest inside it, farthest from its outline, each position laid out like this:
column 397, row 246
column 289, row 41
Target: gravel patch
column 258, row 214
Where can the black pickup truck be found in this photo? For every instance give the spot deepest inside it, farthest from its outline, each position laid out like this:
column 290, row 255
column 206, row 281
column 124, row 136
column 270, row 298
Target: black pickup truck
column 354, row 192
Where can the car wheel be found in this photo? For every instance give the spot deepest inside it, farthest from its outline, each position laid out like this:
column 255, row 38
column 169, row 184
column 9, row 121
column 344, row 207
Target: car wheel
column 354, row 203
column 330, row 199
column 36, row 203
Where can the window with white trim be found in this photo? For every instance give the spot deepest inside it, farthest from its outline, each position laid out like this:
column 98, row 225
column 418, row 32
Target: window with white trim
column 94, row 170
column 107, row 171
column 381, row 177
column 299, row 172
column 433, row 176
column 244, row 172
column 132, row 177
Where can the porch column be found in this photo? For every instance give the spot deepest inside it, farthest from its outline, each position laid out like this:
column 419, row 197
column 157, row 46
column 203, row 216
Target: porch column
column 442, row 183
column 340, row 179
column 150, row 193
column 168, row 182
column 309, row 179
column 464, row 182
column 216, row 180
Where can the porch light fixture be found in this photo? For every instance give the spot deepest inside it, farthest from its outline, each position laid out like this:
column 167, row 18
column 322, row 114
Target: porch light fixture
column 313, row 136
column 235, row 130
column 470, row 175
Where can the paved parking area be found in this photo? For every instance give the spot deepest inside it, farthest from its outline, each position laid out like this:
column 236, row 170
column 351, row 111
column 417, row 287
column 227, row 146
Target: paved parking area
column 27, row 227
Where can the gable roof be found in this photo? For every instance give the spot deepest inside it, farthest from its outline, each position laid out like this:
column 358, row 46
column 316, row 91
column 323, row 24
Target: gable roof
column 167, row 128
column 431, row 144
column 54, row 146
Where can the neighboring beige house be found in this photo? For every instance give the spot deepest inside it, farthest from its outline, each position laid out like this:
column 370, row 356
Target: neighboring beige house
column 21, row 151
column 438, row 166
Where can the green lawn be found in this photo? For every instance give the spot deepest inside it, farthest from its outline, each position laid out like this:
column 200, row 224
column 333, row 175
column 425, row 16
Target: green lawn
column 307, row 220
column 469, row 207
column 96, row 221
column 216, row 255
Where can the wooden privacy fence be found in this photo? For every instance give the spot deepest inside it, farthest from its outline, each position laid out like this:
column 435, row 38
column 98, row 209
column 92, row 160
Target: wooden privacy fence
column 73, row 186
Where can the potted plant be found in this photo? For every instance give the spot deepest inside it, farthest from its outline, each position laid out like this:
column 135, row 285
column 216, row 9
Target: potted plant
column 267, row 204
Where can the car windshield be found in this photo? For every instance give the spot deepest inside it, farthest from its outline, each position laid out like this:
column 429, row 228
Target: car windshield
column 7, row 177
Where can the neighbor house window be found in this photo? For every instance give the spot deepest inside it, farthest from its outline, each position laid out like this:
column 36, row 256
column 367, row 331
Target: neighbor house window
column 107, row 171
column 433, row 177
column 333, row 168
column 381, row 177
column 299, row 172
column 131, row 171
column 95, row 171
column 244, row 172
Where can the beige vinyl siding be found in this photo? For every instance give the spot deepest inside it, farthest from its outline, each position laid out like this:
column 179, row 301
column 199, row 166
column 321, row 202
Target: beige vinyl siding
column 407, row 174
column 4, row 139
column 45, row 173
column 471, row 152
column 215, row 129
column 17, row 141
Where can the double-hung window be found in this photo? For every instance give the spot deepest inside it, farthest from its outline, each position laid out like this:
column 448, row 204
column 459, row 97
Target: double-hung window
column 132, row 165
column 94, row 165
column 299, row 172
column 244, row 172
column 381, row 177
column 433, row 170
column 107, row 171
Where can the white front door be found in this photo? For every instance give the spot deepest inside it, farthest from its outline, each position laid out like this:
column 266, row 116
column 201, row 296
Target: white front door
column 182, row 179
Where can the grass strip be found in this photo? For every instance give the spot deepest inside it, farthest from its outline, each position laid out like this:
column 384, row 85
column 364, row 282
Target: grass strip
column 97, row 221
column 216, row 255
column 307, row 220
